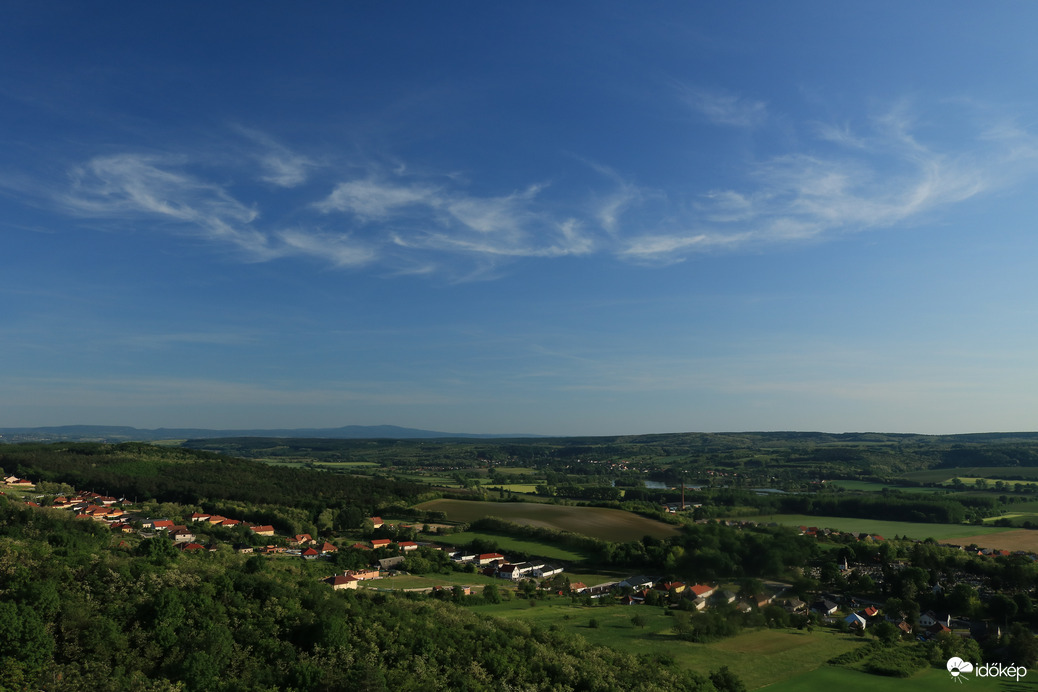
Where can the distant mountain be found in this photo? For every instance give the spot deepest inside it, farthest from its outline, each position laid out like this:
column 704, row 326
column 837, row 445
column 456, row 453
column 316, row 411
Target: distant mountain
column 106, row 433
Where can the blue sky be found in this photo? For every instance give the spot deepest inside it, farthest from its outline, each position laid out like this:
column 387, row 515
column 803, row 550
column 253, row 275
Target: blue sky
column 593, row 218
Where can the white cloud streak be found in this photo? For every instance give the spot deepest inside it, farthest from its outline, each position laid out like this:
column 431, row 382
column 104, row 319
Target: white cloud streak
column 842, row 181
column 135, row 186
column 130, row 186
column 879, row 180
column 724, row 108
column 439, row 218
column 282, row 166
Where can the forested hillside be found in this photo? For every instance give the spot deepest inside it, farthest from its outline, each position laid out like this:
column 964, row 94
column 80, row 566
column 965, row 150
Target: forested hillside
column 80, row 609
column 171, row 474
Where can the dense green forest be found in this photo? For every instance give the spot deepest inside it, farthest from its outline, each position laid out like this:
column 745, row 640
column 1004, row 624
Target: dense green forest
column 171, row 474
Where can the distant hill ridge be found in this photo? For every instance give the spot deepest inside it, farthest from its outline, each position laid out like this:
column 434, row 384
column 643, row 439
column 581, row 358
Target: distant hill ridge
column 117, row 433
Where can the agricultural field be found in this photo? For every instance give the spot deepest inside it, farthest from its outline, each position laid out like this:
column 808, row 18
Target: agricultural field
column 972, row 480
column 508, row 544
column 989, row 472
column 1008, row 539
column 870, row 486
column 597, row 522
column 516, row 487
column 887, row 529
column 759, row 657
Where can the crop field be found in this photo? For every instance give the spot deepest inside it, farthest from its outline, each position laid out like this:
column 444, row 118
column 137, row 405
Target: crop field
column 507, row 543
column 759, row 657
column 971, row 480
column 597, row 522
column 516, row 471
column 989, row 472
column 516, row 487
column 887, row 529
column 869, row 486
column 1007, row 539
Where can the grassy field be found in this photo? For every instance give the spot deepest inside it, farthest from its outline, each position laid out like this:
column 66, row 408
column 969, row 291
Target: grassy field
column 516, row 471
column 972, row 480
column 826, row 678
column 516, row 487
column 598, row 522
column 1008, row 539
column 869, row 486
column 412, row 581
column 989, row 472
column 508, row 544
column 887, row 529
column 759, row 657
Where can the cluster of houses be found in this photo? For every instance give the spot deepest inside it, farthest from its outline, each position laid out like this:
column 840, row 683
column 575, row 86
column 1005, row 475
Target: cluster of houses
column 497, row 565
column 641, row 589
column 16, row 482
column 930, row 623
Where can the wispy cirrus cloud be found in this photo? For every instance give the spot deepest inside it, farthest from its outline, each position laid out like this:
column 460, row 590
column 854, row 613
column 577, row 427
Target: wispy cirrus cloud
column 723, row 107
column 408, row 220
column 448, row 219
column 130, row 186
column 281, row 166
column 876, row 179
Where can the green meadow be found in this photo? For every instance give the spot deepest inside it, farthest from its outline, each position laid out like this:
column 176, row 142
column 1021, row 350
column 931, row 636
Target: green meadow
column 507, row 544
column 413, row 581
column 758, row 657
column 887, row 529
column 826, row 678
column 870, row 486
column 989, row 472
column 516, row 487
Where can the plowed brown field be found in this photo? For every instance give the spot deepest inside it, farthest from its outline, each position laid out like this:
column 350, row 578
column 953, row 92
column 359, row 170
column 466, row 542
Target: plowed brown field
column 1021, row 539
column 599, row 522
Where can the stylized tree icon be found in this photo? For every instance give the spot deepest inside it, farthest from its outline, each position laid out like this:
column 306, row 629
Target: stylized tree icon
column 956, row 666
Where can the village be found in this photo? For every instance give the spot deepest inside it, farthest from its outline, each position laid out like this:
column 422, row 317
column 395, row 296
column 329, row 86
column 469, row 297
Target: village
column 838, row 609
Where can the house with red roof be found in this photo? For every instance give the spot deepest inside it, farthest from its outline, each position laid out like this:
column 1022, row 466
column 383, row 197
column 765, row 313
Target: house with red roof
column 190, row 547
column 328, row 548
column 340, row 581
column 407, row 546
column 380, row 543
column 701, row 590
column 265, row 530
column 310, row 554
